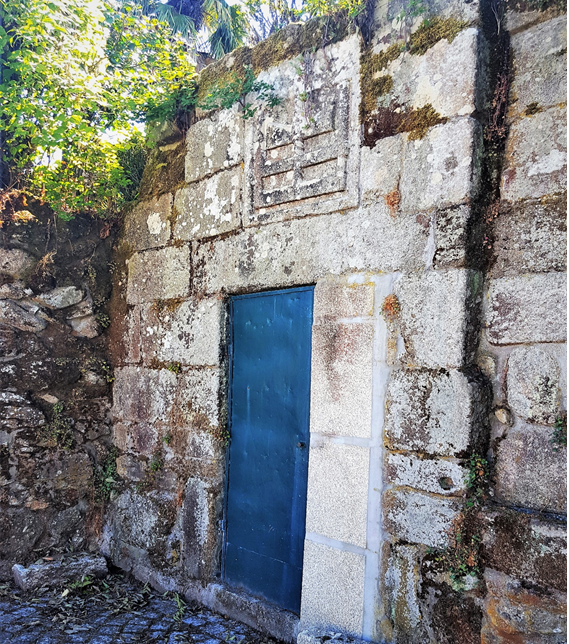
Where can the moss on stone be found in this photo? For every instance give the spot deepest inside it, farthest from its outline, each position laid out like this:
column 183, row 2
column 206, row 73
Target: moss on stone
column 300, row 38
column 388, row 121
column 164, row 170
column 372, row 87
column 431, row 31
column 291, row 41
column 382, row 85
column 223, row 72
column 417, row 122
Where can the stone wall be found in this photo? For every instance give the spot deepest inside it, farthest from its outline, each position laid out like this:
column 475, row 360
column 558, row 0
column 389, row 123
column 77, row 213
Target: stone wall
column 54, row 383
column 433, row 230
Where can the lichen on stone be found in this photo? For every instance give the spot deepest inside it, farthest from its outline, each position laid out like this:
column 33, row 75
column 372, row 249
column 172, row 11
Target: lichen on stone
column 433, row 30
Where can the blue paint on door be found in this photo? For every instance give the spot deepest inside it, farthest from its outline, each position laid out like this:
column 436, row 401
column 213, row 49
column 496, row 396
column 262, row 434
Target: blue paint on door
column 268, row 455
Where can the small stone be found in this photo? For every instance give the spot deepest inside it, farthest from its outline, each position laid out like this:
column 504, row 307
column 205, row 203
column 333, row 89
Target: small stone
column 15, row 262
column 57, row 573
column 487, row 365
column 15, row 316
column 60, row 298
column 503, row 415
column 13, row 291
column 49, row 399
column 85, row 327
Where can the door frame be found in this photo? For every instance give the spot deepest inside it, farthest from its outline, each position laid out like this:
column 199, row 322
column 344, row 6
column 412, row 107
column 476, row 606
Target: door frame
column 228, row 402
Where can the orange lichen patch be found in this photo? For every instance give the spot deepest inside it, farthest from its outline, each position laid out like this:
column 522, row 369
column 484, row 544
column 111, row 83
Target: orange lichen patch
column 391, row 307
column 392, row 200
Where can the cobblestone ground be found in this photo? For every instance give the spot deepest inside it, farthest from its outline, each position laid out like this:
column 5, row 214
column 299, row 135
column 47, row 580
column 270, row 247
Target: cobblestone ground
column 113, row 611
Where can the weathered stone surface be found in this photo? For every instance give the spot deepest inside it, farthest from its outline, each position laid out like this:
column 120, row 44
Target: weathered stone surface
column 437, row 413
column 139, row 521
column 515, row 612
column 530, row 237
column 529, row 472
column 435, row 314
column 214, row 144
column 58, row 573
column 210, row 207
column 302, row 251
column 345, row 297
column 528, row 308
column 444, row 77
column 60, row 298
column 533, row 384
column 402, row 583
column 526, row 548
column 17, row 317
column 332, row 589
column 141, row 438
column 148, row 224
column 437, row 476
column 341, row 384
column 197, row 401
column 17, row 416
column 320, row 636
column 536, row 156
column 85, row 327
column 540, row 72
column 520, row 15
column 442, row 169
column 200, row 514
column 159, row 274
column 451, row 236
column 337, row 492
column 306, row 152
column 380, row 170
column 143, row 394
column 189, row 333
column 419, row 518
column 72, row 473
column 13, row 291
column 15, row 262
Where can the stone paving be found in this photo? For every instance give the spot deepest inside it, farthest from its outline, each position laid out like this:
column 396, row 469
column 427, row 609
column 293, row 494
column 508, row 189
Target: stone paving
column 113, row 611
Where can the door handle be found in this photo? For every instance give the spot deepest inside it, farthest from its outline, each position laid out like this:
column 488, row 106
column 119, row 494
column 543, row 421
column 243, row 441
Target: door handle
column 301, row 444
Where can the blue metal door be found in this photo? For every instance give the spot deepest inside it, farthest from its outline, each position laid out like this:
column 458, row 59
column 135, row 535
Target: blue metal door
column 268, row 454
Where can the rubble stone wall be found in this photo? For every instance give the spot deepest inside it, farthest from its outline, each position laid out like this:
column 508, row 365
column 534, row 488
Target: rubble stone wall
column 434, row 232
column 55, row 381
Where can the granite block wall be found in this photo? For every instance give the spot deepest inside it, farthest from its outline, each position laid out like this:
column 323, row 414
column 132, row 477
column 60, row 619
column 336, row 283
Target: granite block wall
column 412, row 172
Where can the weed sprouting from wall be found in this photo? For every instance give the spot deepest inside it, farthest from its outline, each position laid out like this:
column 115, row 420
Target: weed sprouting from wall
column 105, row 476
column 235, row 90
column 462, row 557
column 559, row 435
column 59, row 432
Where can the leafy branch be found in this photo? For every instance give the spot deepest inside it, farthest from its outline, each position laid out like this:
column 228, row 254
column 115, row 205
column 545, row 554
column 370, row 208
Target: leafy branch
column 236, row 90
